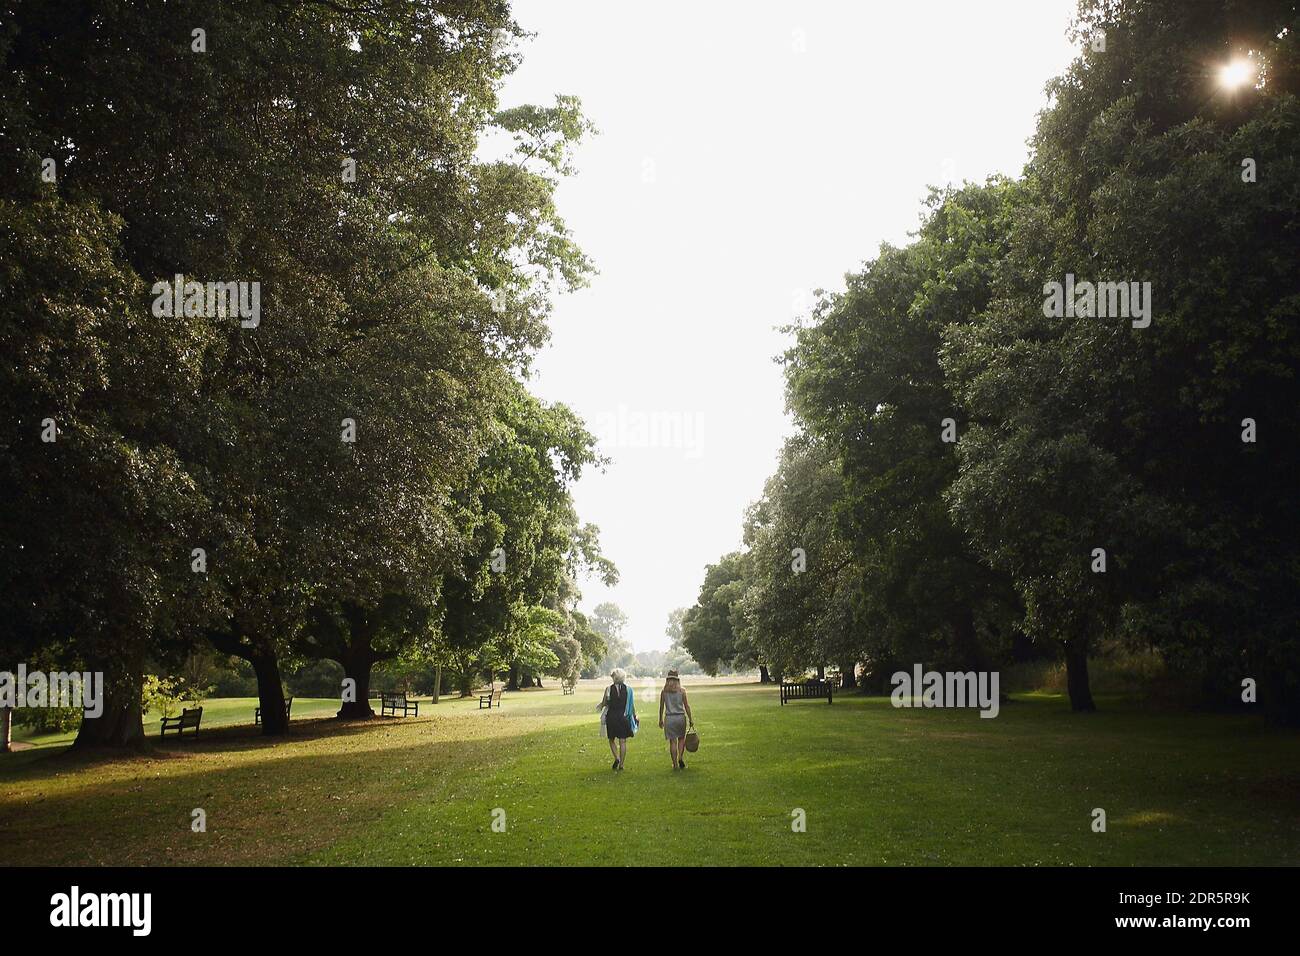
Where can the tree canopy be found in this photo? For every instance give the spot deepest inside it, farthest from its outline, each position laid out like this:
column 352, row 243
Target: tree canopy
column 314, row 476
column 982, row 465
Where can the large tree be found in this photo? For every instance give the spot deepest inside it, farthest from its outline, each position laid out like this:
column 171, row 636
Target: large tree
column 592, row 644
column 524, row 545
column 330, row 153
column 98, row 513
column 865, row 377
column 1093, row 431
column 609, row 622
column 710, row 626
column 357, row 636
column 795, row 608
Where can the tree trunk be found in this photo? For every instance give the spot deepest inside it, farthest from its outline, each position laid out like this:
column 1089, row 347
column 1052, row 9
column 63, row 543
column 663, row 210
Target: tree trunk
column 821, row 671
column 1076, row 676
column 266, row 666
column 270, row 694
column 357, row 666
column 848, row 675
column 121, row 725
column 763, row 676
column 6, row 729
column 437, row 682
column 513, row 683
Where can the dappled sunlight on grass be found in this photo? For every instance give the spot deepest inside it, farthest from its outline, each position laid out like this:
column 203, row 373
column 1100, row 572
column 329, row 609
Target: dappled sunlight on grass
column 1146, row 818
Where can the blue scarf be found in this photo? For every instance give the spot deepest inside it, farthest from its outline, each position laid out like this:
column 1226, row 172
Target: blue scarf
column 630, row 711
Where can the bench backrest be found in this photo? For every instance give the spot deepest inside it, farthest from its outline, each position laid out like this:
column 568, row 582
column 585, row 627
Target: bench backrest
column 397, row 698
column 190, row 716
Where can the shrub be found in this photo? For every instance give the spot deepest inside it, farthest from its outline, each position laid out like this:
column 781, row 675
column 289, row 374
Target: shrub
column 48, row 720
column 161, row 695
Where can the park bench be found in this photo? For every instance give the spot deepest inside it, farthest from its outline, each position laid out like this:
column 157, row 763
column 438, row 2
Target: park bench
column 189, row 718
column 257, row 712
column 490, row 698
column 567, row 686
column 395, row 702
column 807, row 690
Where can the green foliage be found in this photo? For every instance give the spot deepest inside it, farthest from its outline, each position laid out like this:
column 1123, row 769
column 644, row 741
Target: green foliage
column 1088, row 432
column 593, row 645
column 96, row 525
column 197, row 674
column 537, row 636
column 48, row 720
column 866, row 378
column 568, row 659
column 708, row 628
column 1064, row 434
column 323, row 678
column 677, row 657
column 161, row 695
column 406, row 298
column 523, row 545
column 796, row 607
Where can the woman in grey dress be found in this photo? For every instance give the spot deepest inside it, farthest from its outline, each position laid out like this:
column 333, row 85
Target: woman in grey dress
column 674, row 711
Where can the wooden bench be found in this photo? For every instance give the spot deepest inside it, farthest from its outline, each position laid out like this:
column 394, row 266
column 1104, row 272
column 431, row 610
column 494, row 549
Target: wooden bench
column 392, row 703
column 188, row 718
column 487, row 700
column 567, row 686
column 257, row 712
column 807, row 690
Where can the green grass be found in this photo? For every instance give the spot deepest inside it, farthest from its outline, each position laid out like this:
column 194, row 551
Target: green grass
column 878, row 785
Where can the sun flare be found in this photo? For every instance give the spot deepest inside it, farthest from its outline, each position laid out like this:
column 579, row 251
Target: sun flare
column 1237, row 73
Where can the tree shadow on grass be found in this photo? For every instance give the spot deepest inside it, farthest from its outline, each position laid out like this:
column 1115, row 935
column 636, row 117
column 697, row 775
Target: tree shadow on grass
column 266, row 800
column 52, row 761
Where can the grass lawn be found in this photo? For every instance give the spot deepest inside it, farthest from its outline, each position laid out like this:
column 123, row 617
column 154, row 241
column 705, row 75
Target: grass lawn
column 878, row 785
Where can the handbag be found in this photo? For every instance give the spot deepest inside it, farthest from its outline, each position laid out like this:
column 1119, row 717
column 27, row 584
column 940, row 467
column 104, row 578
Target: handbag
column 692, row 738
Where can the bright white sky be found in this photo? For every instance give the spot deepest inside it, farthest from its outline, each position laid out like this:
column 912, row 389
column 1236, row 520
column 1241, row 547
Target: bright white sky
column 749, row 154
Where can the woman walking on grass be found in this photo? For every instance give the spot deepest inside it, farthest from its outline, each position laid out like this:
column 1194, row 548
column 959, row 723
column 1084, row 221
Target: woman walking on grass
column 618, row 714
column 674, row 711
